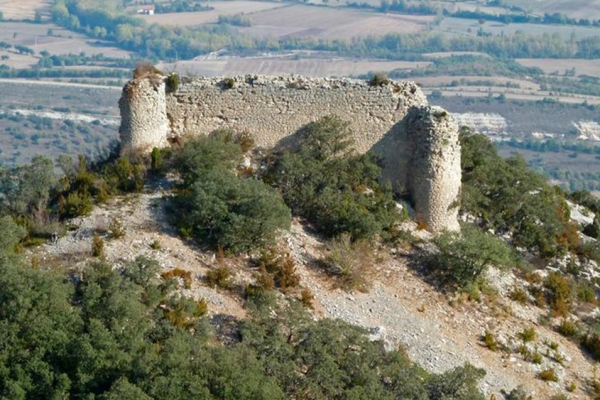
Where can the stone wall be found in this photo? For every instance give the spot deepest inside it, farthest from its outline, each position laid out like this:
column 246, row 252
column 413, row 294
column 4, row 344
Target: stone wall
column 271, row 108
column 418, row 145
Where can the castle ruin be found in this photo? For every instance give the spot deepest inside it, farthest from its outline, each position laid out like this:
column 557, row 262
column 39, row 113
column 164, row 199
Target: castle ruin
column 418, row 144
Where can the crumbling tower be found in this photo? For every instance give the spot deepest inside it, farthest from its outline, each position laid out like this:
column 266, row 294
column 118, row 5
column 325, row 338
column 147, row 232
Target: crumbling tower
column 143, row 107
column 434, row 172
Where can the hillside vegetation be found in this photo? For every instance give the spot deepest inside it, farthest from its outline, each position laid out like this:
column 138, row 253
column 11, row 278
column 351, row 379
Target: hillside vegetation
column 126, row 331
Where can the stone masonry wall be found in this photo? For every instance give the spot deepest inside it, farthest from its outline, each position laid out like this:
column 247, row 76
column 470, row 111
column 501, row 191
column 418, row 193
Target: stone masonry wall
column 418, row 144
column 271, row 108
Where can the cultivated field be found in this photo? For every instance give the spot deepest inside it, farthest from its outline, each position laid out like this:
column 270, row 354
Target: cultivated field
column 62, row 41
column 514, row 94
column 277, row 66
column 208, row 17
column 99, row 101
column 68, row 110
column 558, row 67
column 16, row 60
column 463, row 26
column 472, row 6
column 454, row 53
column 523, row 117
column 22, row 9
column 498, row 81
column 331, row 23
column 589, row 9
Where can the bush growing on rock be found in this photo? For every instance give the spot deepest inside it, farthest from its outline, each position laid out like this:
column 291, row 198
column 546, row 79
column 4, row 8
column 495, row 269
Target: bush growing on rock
column 280, row 267
column 222, row 209
column 219, row 208
column 593, row 229
column 462, row 259
column 559, row 293
column 510, row 197
column 324, row 181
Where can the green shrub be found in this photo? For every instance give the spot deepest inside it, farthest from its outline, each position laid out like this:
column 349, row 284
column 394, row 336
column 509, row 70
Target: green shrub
column 219, row 277
column 548, row 374
column 143, row 271
column 324, row 181
column 559, row 293
column 156, row 161
column 224, row 210
column 203, row 154
column 560, row 396
column 589, row 250
column 461, row 259
column 116, row 228
column 217, row 207
column 76, row 205
column 227, row 83
column 97, row 246
column 125, row 175
column 489, row 340
column 535, row 357
column 519, row 295
column 379, row 79
column 12, row 234
column 173, row 81
column 591, row 343
column 586, row 293
column 593, row 229
column 510, row 197
column 519, row 393
column 528, row 334
column 460, row 383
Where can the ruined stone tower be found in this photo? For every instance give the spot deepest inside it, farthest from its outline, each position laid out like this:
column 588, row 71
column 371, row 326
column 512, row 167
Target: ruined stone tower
column 418, row 144
column 143, row 107
column 434, row 174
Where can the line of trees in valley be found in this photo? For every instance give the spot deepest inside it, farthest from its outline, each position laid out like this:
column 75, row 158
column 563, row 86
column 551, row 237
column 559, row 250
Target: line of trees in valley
column 513, row 14
column 167, row 42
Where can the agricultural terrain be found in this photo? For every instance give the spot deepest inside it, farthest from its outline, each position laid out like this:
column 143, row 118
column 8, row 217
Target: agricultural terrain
column 471, row 57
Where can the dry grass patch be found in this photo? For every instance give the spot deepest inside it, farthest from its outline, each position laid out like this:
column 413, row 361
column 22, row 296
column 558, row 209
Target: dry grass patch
column 22, row 9
column 185, row 276
column 332, row 23
column 352, row 262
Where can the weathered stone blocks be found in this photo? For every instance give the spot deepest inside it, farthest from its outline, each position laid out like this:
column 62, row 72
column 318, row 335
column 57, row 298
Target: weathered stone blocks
column 143, row 107
column 418, row 145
